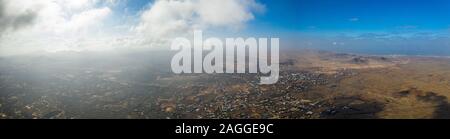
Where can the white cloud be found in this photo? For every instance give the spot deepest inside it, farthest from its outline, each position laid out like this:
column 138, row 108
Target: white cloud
column 76, row 25
column 13, row 17
column 76, row 4
column 61, row 16
column 225, row 12
column 355, row 19
column 167, row 19
column 55, row 24
column 88, row 18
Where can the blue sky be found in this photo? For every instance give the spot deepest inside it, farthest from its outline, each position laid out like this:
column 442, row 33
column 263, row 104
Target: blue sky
column 368, row 26
column 357, row 15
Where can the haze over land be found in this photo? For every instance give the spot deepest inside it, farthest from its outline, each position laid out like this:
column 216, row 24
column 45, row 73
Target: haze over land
column 313, row 84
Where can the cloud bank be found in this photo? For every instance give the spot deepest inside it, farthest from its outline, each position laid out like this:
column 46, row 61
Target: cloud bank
column 42, row 25
column 175, row 18
column 78, row 25
column 12, row 19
